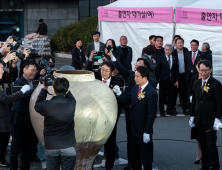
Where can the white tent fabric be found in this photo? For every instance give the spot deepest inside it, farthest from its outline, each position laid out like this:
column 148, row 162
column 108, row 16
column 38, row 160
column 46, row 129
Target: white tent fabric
column 205, row 33
column 138, row 32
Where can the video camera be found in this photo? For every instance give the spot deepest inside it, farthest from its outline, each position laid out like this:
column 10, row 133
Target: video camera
column 48, row 78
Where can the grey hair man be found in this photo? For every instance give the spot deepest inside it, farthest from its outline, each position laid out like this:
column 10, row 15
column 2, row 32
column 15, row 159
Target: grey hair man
column 206, row 49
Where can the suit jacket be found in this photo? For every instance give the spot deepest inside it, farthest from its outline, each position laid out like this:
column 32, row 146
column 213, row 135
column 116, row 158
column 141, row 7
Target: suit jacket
column 5, row 100
column 20, row 113
column 205, row 108
column 76, row 61
column 143, row 112
column 125, row 61
column 190, row 66
column 90, row 48
column 185, row 50
column 129, row 77
column 152, row 70
column 163, row 70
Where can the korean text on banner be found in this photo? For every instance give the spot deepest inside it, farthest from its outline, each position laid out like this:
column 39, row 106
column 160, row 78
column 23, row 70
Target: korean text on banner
column 199, row 16
column 153, row 14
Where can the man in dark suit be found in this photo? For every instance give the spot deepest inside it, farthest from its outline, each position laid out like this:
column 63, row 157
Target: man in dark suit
column 152, row 40
column 206, row 113
column 129, row 77
column 159, row 48
column 190, row 62
column 125, row 53
column 107, row 68
column 96, row 45
column 143, row 100
column 167, row 73
column 180, row 53
column 22, row 130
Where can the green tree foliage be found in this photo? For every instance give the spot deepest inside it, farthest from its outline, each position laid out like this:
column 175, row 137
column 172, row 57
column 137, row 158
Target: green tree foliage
column 62, row 40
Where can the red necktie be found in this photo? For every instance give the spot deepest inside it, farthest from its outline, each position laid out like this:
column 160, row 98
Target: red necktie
column 104, row 81
column 138, row 92
column 193, row 59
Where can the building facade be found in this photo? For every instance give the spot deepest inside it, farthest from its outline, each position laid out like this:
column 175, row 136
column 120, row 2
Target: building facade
column 55, row 13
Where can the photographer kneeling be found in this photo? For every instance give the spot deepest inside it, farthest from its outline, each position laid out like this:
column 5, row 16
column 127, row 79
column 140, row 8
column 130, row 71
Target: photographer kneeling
column 59, row 118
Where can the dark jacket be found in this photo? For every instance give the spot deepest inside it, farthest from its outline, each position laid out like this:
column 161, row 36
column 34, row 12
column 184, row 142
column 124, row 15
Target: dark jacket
column 90, row 48
column 166, row 75
column 190, row 66
column 152, row 70
column 42, row 29
column 129, row 77
column 20, row 113
column 208, row 54
column 77, row 62
column 125, row 60
column 159, row 52
column 58, row 119
column 143, row 112
column 207, row 107
column 194, row 78
column 175, row 53
column 5, row 100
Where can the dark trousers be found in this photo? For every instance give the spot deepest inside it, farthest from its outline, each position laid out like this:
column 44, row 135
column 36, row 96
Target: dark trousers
column 166, row 90
column 110, row 147
column 182, row 92
column 188, row 89
column 64, row 157
column 22, row 143
column 142, row 153
column 208, row 146
column 4, row 139
column 129, row 135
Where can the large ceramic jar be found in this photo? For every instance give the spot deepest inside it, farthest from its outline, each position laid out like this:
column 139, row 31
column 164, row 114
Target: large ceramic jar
column 95, row 116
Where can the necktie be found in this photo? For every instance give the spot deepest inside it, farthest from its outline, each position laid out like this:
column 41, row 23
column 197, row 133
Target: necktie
column 169, row 61
column 138, row 92
column 104, row 81
column 193, row 59
column 203, row 86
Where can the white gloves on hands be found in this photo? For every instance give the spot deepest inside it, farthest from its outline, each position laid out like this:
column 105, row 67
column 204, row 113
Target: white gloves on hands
column 219, row 126
column 216, row 124
column 117, row 90
column 25, row 88
column 190, row 99
column 146, row 138
column 191, row 121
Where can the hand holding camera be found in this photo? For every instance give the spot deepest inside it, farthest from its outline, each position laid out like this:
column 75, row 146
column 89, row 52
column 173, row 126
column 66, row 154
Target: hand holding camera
column 108, row 51
column 92, row 55
column 26, row 52
column 9, row 57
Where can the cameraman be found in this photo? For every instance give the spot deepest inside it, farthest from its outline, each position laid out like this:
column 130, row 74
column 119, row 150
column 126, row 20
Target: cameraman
column 59, row 118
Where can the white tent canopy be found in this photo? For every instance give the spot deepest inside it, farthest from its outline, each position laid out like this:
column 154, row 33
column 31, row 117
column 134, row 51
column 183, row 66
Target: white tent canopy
column 205, row 33
column 138, row 32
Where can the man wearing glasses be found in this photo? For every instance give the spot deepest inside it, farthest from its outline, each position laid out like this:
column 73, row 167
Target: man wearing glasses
column 22, row 130
column 206, row 114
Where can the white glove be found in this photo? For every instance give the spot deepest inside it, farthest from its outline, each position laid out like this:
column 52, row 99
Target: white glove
column 191, row 121
column 190, row 99
column 117, row 90
column 146, row 138
column 219, row 126
column 216, row 122
column 25, row 88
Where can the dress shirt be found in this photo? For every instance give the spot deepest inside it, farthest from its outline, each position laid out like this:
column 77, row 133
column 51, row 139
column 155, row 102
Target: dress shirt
column 107, row 81
column 205, row 81
column 171, row 60
column 144, row 86
column 196, row 52
column 181, row 62
column 96, row 45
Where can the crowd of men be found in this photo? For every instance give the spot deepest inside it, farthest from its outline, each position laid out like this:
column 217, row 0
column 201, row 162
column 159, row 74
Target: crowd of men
column 171, row 68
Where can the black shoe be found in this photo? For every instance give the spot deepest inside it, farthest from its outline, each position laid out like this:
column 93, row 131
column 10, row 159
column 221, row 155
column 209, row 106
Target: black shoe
column 172, row 113
column 197, row 162
column 162, row 114
column 181, row 104
column 4, row 163
column 128, row 166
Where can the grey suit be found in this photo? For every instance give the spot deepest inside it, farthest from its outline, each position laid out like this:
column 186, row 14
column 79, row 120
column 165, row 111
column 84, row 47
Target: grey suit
column 91, row 47
column 152, row 70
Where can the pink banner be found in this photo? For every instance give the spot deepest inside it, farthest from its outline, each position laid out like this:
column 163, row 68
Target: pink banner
column 199, row 16
column 162, row 14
